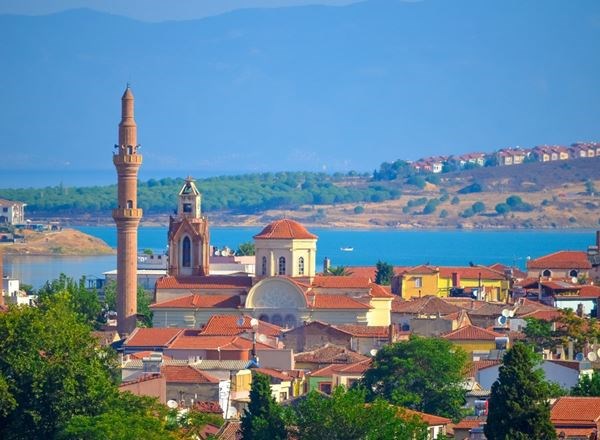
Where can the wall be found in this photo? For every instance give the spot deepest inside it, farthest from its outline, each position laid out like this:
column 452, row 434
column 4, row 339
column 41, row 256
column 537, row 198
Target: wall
column 471, row 346
column 156, row 387
column 188, row 391
column 380, row 313
column 312, row 336
column 429, row 285
column 431, row 326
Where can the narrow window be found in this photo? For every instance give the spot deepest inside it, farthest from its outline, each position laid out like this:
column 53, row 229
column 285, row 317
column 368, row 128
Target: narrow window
column 129, row 149
column 129, row 204
column 281, row 265
column 264, row 266
column 301, row 266
column 418, row 282
column 186, row 261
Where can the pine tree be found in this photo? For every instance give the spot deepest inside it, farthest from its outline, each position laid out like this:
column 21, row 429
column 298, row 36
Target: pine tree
column 518, row 406
column 263, row 419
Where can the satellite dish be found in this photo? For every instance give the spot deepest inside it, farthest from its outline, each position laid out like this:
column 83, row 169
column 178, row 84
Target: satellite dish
column 262, row 338
column 373, row 352
column 592, row 357
column 579, row 357
column 172, row 404
column 502, row 320
column 506, row 313
column 253, row 322
column 574, row 280
column 240, row 321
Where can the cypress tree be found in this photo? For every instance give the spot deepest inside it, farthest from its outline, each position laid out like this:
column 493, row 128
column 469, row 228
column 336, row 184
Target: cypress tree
column 518, row 406
column 263, row 419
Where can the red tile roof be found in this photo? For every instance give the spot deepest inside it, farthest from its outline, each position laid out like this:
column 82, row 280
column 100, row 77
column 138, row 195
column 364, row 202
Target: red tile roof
column 142, row 354
column 355, row 368
column 227, row 325
column 372, row 331
column 561, row 260
column 575, row 411
column 370, row 271
column 430, row 419
column 573, row 365
column 151, row 337
column 544, row 315
column 422, row 269
column 378, row 291
column 191, row 339
column 471, row 273
column 186, row 374
column 344, row 282
column 203, row 301
column 589, row 291
column 206, row 282
column 502, row 268
column 285, row 229
column 475, row 366
column 277, row 374
column 325, row 301
column 471, row 333
column 468, row 424
column 231, row 430
column 208, row 407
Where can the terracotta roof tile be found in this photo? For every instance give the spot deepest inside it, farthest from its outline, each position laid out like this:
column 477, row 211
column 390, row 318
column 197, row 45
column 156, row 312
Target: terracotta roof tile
column 471, row 333
column 475, row 366
column 427, row 305
column 471, row 273
column 206, row 282
column 231, row 430
column 186, row 374
column 325, row 301
column 374, row 331
column 142, row 354
column 575, row 410
column 573, row 365
column 208, row 407
column 277, row 374
column 502, row 268
column 192, row 339
column 378, row 291
column 344, row 282
column 355, row 368
column 224, row 325
column 371, row 271
column 422, row 269
column 151, row 337
column 196, row 301
column 468, row 423
column 589, row 291
column 561, row 260
column 285, row 229
column 330, row 354
column 430, row 419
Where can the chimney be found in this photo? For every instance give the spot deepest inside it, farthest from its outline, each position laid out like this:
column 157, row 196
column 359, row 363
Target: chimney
column 326, row 264
column 455, row 279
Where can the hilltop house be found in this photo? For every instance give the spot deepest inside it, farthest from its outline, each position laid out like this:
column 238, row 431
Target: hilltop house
column 12, row 213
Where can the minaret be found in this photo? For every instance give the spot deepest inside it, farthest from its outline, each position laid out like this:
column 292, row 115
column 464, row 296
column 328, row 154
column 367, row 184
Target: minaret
column 127, row 216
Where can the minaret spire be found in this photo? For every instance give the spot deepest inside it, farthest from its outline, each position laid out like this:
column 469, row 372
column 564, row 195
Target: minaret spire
column 127, row 216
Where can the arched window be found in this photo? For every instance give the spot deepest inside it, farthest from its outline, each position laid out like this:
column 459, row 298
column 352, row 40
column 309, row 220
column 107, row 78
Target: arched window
column 301, row 266
column 281, row 265
column 573, row 273
column 264, row 318
column 547, row 273
column 129, row 149
column 277, row 320
column 264, row 266
column 186, row 260
column 129, row 204
column 289, row 321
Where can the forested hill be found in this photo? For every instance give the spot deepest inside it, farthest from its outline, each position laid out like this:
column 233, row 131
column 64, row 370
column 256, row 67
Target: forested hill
column 245, row 194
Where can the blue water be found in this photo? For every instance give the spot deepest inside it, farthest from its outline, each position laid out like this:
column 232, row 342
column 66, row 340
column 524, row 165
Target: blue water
column 395, row 247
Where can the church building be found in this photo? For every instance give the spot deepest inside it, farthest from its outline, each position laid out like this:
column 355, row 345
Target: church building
column 285, row 291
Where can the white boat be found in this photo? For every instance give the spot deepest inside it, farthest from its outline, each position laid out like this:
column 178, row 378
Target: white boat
column 346, row 249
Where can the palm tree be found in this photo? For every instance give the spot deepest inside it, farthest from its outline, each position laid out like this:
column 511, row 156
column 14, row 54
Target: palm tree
column 337, row 271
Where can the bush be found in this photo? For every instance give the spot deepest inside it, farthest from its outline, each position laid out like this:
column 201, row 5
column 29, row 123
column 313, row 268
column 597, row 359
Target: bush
column 502, row 208
column 417, row 181
column 478, row 207
column 431, row 206
column 513, row 201
column 359, row 209
column 473, row 188
column 455, row 200
column 467, row 213
column 443, row 213
column 444, row 197
column 433, row 179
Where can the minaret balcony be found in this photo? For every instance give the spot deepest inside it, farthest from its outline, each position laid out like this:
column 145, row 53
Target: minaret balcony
column 121, row 159
column 125, row 213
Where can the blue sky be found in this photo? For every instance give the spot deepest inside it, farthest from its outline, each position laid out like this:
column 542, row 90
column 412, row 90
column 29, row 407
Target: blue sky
column 304, row 88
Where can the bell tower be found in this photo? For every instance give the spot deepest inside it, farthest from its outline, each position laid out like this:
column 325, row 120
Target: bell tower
column 189, row 240
column 127, row 216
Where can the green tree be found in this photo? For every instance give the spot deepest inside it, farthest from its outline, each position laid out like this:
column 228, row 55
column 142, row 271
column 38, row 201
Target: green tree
column 344, row 416
column 518, row 406
column 384, row 273
column 337, row 271
column 263, row 419
column 246, row 248
column 455, row 200
column 424, row 374
column 478, row 207
column 502, row 208
column 143, row 303
column 587, row 385
column 538, row 333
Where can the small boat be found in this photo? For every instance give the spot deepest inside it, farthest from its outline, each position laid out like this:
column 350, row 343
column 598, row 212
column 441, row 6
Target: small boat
column 347, row 249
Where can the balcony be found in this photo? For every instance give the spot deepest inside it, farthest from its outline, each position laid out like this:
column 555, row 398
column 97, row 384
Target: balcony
column 134, row 213
column 127, row 158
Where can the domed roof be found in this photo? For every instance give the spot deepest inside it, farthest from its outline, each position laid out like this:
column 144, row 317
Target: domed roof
column 285, row 229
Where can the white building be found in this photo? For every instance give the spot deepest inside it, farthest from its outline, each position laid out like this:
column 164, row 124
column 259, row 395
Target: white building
column 12, row 213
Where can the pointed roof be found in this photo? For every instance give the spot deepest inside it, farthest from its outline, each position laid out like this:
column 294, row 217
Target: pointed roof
column 186, row 374
column 330, row 354
column 561, row 260
column 189, row 187
column 471, row 333
column 127, row 94
column 285, row 229
column 151, row 337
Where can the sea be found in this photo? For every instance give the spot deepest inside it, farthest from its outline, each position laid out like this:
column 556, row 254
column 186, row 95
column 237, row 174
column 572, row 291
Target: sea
column 397, row 247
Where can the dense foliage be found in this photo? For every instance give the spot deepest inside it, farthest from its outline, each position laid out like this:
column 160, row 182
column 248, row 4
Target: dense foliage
column 588, row 385
column 518, row 406
column 384, row 273
column 263, row 419
column 345, row 416
column 424, row 374
column 241, row 194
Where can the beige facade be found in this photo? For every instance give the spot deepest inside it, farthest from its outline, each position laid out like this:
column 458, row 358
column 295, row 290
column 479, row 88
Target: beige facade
column 291, row 257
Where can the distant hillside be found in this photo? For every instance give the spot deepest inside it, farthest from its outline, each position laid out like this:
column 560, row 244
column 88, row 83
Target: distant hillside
column 300, row 88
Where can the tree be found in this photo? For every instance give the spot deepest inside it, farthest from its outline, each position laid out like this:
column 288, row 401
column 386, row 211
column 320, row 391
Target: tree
column 337, row 271
column 424, row 374
column 143, row 303
column 538, row 333
column 263, row 419
column 345, row 416
column 518, row 406
column 502, row 208
column 384, row 273
column 246, row 248
column 587, row 385
column 478, row 207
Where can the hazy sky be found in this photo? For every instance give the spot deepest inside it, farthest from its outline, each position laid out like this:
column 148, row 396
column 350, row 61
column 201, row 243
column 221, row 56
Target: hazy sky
column 154, row 10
